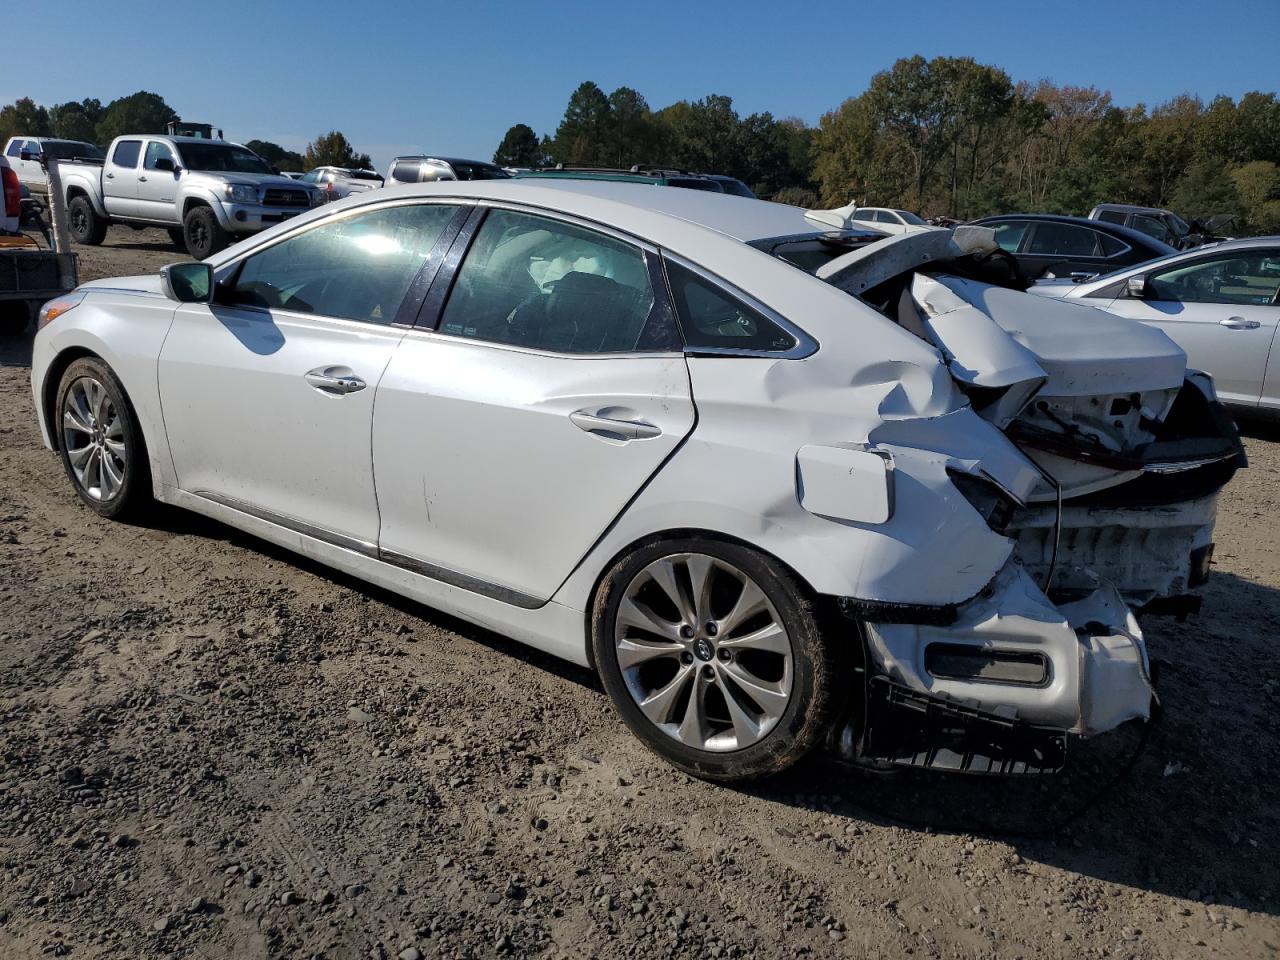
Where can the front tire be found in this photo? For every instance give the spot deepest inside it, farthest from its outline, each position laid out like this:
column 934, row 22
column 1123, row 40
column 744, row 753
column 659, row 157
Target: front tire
column 86, row 226
column 713, row 654
column 100, row 442
column 203, row 234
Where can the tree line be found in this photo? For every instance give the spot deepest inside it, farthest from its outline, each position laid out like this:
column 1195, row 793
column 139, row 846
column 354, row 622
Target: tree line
column 90, row 121
column 947, row 136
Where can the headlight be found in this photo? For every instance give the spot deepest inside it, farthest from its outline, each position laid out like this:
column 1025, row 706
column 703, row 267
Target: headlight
column 57, row 307
column 242, row 192
column 317, row 198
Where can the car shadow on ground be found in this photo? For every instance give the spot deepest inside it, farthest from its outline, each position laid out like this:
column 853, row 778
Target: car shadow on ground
column 172, row 520
column 1184, row 807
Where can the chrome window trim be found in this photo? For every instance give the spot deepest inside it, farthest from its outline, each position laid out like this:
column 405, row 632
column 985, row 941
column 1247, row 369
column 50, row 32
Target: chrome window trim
column 231, row 266
column 805, row 345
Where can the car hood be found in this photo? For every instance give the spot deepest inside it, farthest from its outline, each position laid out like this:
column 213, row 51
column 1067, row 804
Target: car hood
column 146, row 283
column 257, row 179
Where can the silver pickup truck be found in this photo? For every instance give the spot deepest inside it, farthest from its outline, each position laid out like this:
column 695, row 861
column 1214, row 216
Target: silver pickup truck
column 204, row 192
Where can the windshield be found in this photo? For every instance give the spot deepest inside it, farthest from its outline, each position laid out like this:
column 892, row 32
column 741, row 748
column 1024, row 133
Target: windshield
column 909, row 217
column 364, row 175
column 69, row 149
column 809, row 251
column 695, row 183
column 221, row 158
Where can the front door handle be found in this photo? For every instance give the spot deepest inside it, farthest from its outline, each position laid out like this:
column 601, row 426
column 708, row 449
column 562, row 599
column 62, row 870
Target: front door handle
column 334, row 380
column 142, row 179
column 614, row 428
column 1240, row 323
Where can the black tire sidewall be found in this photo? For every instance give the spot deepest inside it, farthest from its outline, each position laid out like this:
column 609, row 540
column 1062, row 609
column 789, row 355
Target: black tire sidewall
column 178, row 236
column 811, row 707
column 213, row 230
column 135, row 490
column 94, row 230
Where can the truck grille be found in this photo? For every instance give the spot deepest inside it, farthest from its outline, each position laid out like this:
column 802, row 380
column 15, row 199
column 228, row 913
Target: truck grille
column 276, row 197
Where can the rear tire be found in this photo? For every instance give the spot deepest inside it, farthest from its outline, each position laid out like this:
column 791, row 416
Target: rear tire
column 179, row 237
column 202, row 233
column 100, row 442
column 713, row 654
column 86, row 226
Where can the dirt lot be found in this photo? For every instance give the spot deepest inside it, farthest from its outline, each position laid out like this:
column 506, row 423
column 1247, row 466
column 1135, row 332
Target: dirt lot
column 209, row 748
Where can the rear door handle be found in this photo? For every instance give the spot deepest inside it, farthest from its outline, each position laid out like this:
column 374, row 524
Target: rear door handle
column 619, row 429
column 1240, row 323
column 334, row 380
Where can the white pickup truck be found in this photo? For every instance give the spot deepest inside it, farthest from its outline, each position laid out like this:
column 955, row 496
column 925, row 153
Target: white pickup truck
column 204, row 192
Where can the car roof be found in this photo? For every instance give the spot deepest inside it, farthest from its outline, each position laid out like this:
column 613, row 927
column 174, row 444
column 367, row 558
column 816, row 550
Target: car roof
column 681, row 220
column 1120, row 231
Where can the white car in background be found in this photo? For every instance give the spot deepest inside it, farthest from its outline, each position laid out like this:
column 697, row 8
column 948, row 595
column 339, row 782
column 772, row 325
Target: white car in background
column 780, row 483
column 888, row 220
column 31, row 171
column 1220, row 303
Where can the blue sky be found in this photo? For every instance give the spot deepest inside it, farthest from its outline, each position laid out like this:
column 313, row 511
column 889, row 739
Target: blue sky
column 450, row 78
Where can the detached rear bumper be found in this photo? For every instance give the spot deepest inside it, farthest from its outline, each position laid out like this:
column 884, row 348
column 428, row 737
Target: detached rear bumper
column 1078, row 667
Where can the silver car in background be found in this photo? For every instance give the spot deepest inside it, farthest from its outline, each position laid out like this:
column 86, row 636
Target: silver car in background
column 1219, row 303
column 338, row 183
column 424, row 169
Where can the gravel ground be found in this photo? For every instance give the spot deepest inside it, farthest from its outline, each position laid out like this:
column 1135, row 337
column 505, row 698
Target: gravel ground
column 210, row 748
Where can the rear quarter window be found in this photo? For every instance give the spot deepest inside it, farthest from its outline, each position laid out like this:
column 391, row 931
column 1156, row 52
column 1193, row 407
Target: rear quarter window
column 712, row 318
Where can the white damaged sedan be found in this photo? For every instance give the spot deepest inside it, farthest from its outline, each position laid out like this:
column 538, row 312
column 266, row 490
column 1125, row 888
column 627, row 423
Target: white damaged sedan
column 782, row 483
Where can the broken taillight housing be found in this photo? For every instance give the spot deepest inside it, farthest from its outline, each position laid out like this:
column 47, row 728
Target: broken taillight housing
column 987, row 497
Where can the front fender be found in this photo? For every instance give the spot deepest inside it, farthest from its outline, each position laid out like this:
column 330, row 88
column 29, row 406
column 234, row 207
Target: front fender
column 206, row 197
column 127, row 330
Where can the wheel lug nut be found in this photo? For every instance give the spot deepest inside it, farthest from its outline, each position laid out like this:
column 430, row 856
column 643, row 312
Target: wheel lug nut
column 724, row 655
column 686, row 657
column 711, row 628
column 708, row 673
column 687, row 632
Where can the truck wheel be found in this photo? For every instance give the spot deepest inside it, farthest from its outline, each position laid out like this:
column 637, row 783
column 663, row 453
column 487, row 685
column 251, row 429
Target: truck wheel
column 14, row 317
column 178, row 236
column 86, row 226
column 203, row 234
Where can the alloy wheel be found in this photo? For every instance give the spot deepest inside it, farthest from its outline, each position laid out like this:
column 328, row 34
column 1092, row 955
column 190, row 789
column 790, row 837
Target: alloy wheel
column 703, row 652
column 93, row 436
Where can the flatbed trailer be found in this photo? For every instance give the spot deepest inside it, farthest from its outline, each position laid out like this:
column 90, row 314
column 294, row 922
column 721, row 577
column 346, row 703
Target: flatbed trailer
column 29, row 276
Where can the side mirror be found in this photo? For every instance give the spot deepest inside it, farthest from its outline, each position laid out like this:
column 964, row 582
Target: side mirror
column 27, row 155
column 164, row 163
column 187, row 282
column 1137, row 287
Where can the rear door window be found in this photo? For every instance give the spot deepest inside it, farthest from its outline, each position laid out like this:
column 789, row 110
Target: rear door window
column 126, row 153
column 405, row 171
column 544, row 284
column 1064, row 240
